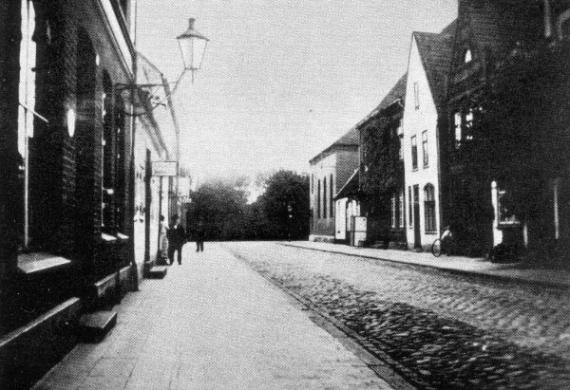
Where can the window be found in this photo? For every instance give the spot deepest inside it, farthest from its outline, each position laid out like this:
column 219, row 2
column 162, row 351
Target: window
column 414, row 143
column 318, row 199
column 468, row 125
column 457, row 124
column 108, row 160
column 463, row 126
column 425, row 148
column 467, row 56
column 429, row 209
column 325, row 198
column 393, row 211
column 121, row 195
column 410, row 210
column 400, row 134
column 331, row 204
column 27, row 99
column 401, row 209
column 563, row 25
column 507, row 212
column 416, row 95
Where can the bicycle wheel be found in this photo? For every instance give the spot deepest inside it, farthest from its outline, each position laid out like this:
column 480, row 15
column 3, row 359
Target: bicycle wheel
column 436, row 248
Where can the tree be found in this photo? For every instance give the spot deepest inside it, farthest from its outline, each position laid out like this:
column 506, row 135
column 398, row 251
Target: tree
column 220, row 206
column 285, row 205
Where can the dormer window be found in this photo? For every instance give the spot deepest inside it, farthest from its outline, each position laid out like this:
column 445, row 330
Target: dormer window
column 467, row 56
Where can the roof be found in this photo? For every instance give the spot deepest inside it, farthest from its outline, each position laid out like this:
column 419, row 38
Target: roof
column 436, row 51
column 398, row 91
column 350, row 139
column 498, row 24
column 350, row 188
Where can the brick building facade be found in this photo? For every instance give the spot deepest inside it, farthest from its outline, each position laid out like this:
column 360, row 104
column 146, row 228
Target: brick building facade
column 69, row 180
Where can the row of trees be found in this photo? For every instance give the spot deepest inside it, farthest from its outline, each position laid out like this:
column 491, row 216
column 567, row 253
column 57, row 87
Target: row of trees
column 281, row 212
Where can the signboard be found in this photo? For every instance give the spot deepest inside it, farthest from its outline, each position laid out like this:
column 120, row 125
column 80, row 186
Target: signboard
column 164, row 168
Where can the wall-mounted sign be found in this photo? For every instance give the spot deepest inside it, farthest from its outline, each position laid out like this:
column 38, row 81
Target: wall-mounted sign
column 164, row 168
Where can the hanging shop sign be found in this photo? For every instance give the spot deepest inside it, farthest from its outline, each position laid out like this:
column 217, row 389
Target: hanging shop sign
column 164, row 168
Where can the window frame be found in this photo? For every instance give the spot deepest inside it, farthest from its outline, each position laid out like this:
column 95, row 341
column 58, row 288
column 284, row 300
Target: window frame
column 425, row 152
column 414, row 150
column 410, row 209
column 331, row 191
column 416, row 95
column 430, row 220
column 325, row 198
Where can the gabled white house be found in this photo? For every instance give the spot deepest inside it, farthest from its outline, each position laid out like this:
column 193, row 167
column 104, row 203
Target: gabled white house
column 429, row 62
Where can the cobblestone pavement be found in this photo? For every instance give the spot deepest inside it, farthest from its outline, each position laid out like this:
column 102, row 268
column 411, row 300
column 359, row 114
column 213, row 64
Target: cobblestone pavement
column 446, row 330
column 212, row 323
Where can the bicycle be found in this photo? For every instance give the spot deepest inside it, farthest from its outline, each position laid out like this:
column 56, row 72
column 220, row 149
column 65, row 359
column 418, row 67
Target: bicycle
column 443, row 245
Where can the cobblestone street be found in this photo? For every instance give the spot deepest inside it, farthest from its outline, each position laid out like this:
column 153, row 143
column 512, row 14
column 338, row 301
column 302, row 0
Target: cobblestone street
column 442, row 330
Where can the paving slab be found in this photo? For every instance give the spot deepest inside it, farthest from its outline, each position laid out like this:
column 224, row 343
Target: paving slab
column 213, row 323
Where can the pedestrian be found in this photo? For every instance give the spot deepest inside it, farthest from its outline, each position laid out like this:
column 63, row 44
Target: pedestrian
column 200, row 234
column 163, row 241
column 176, row 239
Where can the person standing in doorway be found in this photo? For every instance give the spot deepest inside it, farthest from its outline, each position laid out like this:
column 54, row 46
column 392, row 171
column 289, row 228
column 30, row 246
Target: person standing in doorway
column 163, row 241
column 200, row 233
column 176, row 239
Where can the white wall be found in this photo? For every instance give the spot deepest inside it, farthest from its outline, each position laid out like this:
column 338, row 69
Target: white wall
column 341, row 219
column 415, row 121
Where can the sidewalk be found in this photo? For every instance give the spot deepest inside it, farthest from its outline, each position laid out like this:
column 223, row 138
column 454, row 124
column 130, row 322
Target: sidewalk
column 212, row 323
column 466, row 265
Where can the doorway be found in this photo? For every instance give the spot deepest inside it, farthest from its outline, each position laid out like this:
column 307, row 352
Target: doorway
column 417, row 222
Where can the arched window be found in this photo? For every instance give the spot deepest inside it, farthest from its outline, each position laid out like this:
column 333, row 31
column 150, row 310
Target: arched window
column 563, row 25
column 429, row 209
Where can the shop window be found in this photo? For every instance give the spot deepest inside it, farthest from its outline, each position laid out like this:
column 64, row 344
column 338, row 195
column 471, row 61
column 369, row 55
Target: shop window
column 414, row 144
column 429, row 209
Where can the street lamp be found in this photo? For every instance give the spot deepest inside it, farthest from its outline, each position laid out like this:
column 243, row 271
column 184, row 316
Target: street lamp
column 192, row 47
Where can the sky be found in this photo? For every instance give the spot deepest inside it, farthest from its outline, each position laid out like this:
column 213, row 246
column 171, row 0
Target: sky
column 281, row 79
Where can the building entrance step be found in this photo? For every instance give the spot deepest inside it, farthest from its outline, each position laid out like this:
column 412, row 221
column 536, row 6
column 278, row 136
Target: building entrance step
column 95, row 326
column 157, row 272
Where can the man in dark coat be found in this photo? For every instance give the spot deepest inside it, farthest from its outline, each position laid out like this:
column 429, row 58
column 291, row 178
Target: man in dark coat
column 200, row 234
column 176, row 239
